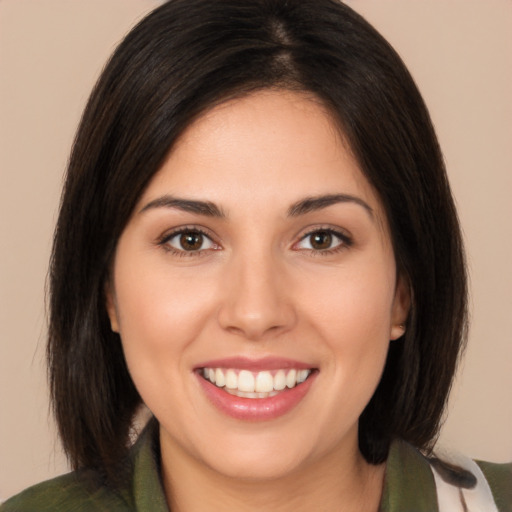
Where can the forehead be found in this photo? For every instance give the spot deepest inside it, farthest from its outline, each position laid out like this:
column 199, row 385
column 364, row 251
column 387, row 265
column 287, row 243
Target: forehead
column 271, row 146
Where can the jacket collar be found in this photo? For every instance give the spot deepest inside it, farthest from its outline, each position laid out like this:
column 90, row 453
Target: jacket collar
column 408, row 484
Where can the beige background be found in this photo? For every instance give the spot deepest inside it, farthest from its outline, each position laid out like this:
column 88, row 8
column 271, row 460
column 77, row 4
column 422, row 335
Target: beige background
column 51, row 51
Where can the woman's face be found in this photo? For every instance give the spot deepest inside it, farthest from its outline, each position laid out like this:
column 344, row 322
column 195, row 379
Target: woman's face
column 258, row 256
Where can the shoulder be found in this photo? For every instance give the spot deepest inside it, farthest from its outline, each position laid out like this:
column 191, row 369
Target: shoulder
column 409, row 482
column 444, row 481
column 84, row 491
column 75, row 492
column 499, row 477
column 478, row 485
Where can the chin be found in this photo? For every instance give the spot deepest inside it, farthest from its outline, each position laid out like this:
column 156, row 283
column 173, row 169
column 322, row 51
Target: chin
column 258, row 466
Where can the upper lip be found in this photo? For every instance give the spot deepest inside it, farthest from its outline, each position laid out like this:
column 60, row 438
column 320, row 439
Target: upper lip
column 261, row 364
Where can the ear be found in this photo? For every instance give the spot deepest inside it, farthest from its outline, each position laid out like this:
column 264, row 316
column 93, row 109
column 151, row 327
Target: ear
column 110, row 303
column 401, row 308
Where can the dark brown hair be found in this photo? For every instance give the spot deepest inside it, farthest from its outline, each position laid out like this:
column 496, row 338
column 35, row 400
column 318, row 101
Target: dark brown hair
column 182, row 59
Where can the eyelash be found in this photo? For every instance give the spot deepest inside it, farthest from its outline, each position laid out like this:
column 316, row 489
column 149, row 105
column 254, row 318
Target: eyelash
column 345, row 241
column 165, row 239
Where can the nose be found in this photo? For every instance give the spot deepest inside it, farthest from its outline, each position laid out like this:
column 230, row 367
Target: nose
column 256, row 299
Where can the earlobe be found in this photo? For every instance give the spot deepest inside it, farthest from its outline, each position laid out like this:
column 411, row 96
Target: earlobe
column 401, row 308
column 397, row 331
column 111, row 307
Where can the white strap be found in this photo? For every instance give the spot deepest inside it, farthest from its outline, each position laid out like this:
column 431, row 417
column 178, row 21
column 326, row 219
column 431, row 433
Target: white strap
column 448, row 496
column 454, row 499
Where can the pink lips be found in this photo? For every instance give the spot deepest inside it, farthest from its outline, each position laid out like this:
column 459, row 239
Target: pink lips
column 255, row 409
column 255, row 365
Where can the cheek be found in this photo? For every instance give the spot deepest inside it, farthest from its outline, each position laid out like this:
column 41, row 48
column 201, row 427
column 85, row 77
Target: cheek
column 160, row 317
column 355, row 302
column 160, row 314
column 357, row 333
column 352, row 315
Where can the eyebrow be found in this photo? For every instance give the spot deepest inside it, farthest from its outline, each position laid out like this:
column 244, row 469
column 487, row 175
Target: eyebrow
column 206, row 208
column 311, row 204
column 209, row 209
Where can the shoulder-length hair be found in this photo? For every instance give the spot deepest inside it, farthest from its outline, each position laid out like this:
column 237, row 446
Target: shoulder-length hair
column 182, row 59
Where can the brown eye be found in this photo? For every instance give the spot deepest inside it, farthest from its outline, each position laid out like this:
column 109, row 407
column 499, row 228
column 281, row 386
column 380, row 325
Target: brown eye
column 191, row 241
column 324, row 241
column 321, row 240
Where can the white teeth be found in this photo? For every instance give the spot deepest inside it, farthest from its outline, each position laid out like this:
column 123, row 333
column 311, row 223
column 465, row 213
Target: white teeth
column 254, row 385
column 231, row 379
column 291, row 378
column 246, row 381
column 302, row 375
column 280, row 380
column 219, row 378
column 264, row 382
column 245, row 394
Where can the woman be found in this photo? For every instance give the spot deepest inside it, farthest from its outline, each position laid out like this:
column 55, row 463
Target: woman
column 256, row 240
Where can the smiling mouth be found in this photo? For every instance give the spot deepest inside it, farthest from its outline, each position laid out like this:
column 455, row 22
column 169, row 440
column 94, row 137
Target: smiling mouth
column 247, row 384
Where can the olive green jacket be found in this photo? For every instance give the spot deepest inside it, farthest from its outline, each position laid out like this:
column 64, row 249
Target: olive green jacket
column 409, row 486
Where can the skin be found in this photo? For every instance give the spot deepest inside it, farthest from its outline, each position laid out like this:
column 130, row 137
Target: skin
column 258, row 287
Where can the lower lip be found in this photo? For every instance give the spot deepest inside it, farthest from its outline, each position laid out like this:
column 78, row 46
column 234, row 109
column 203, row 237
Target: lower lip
column 256, row 409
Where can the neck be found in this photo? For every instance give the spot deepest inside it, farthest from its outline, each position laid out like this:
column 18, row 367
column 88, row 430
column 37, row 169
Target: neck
column 339, row 481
